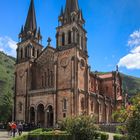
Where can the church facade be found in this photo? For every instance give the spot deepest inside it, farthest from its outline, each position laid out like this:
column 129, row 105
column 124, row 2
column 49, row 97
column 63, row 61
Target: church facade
column 55, row 83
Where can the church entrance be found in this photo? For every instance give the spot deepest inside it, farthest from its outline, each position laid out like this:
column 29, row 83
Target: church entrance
column 40, row 115
column 32, row 115
column 50, row 116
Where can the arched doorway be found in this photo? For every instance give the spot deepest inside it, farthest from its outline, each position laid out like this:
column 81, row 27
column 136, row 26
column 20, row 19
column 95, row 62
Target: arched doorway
column 50, row 116
column 40, row 115
column 32, row 115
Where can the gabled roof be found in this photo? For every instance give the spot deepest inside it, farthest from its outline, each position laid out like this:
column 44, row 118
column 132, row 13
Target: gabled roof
column 47, row 51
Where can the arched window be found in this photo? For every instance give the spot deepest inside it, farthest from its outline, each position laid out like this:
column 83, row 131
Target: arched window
column 69, row 37
column 81, row 42
column 20, row 107
column 42, row 81
column 51, row 78
column 57, row 36
column 21, row 53
column 33, row 51
column 48, row 77
column 37, row 53
column 78, row 38
column 82, row 104
column 26, row 52
column 65, row 104
column 91, row 105
column 45, row 79
column 63, row 39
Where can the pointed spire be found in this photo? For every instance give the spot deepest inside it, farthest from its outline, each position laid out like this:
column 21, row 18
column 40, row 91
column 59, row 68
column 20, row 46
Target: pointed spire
column 71, row 6
column 71, row 13
column 22, row 29
column 61, row 14
column 30, row 24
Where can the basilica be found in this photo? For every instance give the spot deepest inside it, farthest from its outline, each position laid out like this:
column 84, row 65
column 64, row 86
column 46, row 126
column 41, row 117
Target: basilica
column 52, row 83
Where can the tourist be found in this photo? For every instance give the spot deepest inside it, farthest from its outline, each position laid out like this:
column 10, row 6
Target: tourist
column 14, row 127
column 20, row 128
column 9, row 129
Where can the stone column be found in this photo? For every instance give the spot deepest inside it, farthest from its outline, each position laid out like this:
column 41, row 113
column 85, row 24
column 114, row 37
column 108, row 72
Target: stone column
column 35, row 116
column 29, row 116
column 54, row 111
column 45, row 111
column 107, row 114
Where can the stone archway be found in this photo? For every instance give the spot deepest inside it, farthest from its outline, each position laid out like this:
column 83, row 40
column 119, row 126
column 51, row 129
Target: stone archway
column 40, row 115
column 32, row 115
column 50, row 116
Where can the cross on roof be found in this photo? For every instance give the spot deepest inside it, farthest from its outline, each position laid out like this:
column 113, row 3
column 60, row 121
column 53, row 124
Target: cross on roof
column 49, row 41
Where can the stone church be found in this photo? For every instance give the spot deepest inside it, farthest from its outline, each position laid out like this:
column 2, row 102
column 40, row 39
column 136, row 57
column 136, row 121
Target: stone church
column 52, row 83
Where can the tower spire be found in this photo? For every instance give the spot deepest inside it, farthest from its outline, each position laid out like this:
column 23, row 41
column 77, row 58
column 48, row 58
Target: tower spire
column 31, row 24
column 30, row 28
column 71, row 6
column 72, row 13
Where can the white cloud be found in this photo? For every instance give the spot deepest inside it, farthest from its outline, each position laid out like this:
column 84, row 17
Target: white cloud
column 8, row 46
column 132, row 60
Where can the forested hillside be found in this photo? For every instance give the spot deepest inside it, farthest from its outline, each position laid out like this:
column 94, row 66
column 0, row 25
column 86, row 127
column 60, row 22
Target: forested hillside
column 131, row 84
column 6, row 85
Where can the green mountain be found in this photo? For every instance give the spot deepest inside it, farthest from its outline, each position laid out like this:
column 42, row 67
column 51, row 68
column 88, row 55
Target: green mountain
column 6, row 73
column 130, row 84
column 6, row 85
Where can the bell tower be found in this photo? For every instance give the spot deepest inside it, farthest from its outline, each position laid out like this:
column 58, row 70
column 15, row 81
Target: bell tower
column 29, row 38
column 70, row 32
column 28, row 49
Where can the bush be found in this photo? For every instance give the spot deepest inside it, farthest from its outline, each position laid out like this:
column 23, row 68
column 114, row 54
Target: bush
column 104, row 136
column 82, row 127
column 23, row 137
column 119, row 137
column 97, row 135
column 44, row 137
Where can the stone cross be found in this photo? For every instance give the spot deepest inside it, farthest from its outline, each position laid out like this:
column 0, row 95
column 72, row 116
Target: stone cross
column 49, row 41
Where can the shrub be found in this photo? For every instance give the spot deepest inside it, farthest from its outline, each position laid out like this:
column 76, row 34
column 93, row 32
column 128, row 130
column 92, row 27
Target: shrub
column 104, row 136
column 120, row 137
column 23, row 137
column 97, row 135
column 82, row 127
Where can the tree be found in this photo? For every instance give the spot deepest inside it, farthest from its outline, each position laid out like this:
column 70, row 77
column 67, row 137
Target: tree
column 82, row 127
column 5, row 107
column 130, row 116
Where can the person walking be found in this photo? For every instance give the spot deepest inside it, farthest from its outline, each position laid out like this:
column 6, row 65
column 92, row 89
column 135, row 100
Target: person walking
column 9, row 129
column 20, row 128
column 14, row 127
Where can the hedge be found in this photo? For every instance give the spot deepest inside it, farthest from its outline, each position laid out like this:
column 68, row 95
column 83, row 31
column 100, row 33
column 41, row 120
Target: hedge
column 104, row 136
column 120, row 137
column 44, row 137
column 23, row 137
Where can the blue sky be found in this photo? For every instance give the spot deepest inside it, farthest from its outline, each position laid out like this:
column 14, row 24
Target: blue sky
column 112, row 27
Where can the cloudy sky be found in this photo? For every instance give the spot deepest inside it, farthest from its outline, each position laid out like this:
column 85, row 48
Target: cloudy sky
column 113, row 28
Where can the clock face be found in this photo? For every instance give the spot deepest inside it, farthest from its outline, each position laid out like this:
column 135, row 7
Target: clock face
column 64, row 62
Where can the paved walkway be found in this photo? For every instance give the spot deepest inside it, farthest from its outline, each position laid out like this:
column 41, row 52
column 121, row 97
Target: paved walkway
column 4, row 135
column 111, row 136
